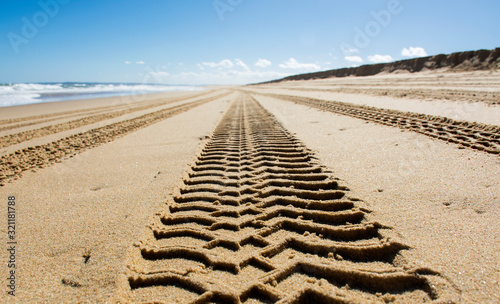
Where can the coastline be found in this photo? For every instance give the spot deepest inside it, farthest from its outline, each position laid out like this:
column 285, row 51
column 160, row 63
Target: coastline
column 14, row 94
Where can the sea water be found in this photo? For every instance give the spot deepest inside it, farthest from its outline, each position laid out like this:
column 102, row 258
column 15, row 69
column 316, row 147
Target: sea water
column 14, row 94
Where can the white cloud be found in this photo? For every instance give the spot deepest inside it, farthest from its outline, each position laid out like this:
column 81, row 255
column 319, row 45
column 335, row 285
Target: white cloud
column 127, row 62
column 154, row 77
column 380, row 58
column 226, row 76
column 414, row 52
column 263, row 63
column 292, row 63
column 140, row 62
column 209, row 64
column 226, row 63
column 158, row 74
column 240, row 63
column 354, row 59
column 349, row 50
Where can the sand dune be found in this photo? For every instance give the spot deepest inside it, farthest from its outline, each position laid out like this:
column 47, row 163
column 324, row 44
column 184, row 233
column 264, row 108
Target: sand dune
column 455, row 62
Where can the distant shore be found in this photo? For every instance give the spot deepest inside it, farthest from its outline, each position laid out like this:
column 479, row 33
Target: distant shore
column 14, row 94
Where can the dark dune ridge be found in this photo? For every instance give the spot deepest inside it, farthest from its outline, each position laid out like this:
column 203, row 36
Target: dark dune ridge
column 460, row 61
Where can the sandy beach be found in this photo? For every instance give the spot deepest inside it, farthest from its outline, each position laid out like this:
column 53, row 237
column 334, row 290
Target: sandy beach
column 377, row 189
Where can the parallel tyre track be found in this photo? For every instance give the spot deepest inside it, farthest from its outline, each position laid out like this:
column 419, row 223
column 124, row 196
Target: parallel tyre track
column 258, row 220
column 55, row 117
column 16, row 138
column 477, row 136
column 491, row 98
column 58, row 115
column 13, row 165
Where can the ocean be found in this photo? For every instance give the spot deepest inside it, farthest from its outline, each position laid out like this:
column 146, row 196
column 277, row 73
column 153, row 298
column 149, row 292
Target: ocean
column 14, row 94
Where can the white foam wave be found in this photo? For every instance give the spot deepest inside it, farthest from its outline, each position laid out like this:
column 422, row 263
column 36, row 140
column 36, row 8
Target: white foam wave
column 27, row 93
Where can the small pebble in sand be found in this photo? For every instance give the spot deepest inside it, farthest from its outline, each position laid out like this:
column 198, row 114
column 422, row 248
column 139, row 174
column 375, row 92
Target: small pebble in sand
column 388, row 298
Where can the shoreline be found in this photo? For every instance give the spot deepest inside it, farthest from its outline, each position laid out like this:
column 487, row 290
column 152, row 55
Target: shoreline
column 45, row 92
column 53, row 107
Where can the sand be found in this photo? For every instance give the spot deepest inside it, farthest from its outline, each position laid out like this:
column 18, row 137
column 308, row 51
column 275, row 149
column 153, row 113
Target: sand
column 95, row 204
column 442, row 200
column 469, row 96
column 222, row 196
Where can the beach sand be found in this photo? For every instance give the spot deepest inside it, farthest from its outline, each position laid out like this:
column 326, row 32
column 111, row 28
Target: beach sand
column 175, row 199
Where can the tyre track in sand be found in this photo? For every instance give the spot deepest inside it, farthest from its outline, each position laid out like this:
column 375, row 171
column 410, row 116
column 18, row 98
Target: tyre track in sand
column 52, row 116
column 10, row 124
column 258, row 220
column 474, row 135
column 490, row 98
column 16, row 138
column 13, row 165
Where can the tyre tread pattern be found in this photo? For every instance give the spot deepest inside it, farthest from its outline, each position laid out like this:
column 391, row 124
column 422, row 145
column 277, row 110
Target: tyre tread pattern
column 473, row 135
column 257, row 219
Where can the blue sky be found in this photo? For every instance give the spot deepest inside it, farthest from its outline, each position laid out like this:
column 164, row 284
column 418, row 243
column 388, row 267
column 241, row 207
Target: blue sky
column 228, row 41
